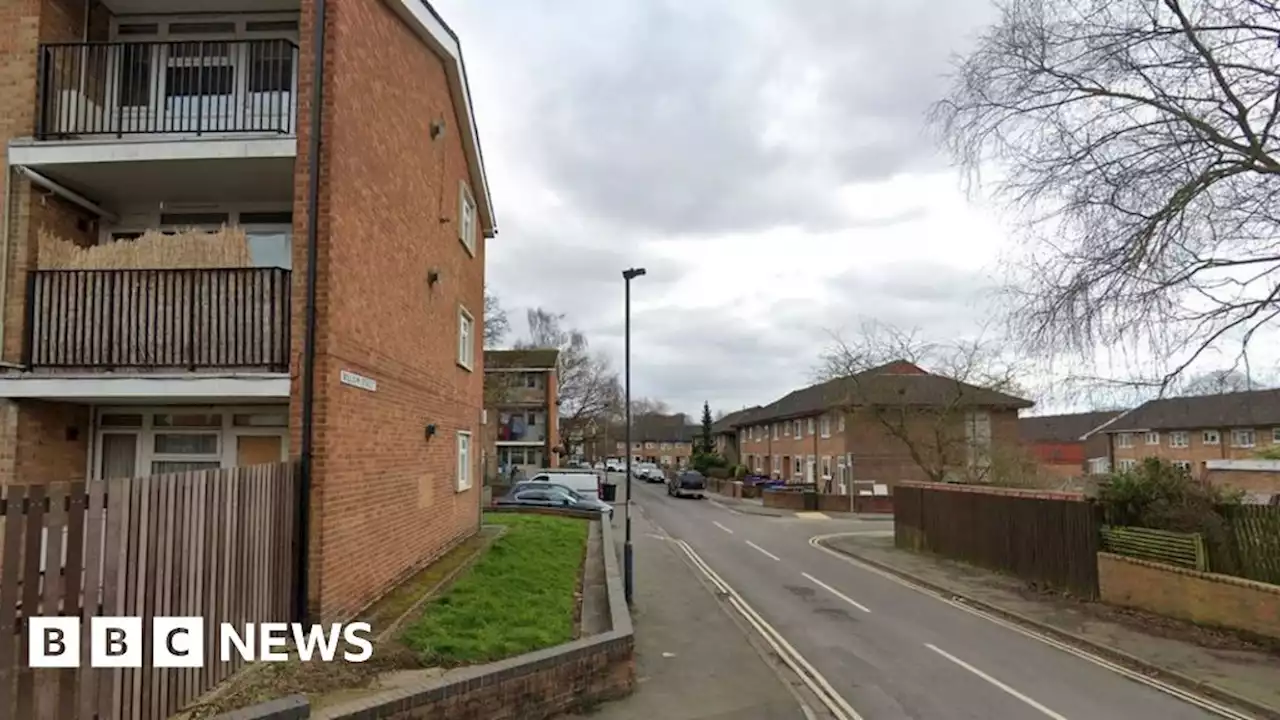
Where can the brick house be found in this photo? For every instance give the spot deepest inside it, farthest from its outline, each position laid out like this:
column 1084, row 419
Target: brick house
column 522, row 417
column 666, row 440
column 1058, row 443
column 834, row 433
column 1190, row 431
column 158, row 228
column 724, row 433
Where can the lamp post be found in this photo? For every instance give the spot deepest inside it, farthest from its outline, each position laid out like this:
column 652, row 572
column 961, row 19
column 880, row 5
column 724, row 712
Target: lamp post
column 628, row 567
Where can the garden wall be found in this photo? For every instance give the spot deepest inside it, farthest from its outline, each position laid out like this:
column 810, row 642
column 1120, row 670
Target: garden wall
column 1198, row 597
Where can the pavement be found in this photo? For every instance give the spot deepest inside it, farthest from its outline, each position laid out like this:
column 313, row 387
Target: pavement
column 884, row 649
column 694, row 661
column 1216, row 663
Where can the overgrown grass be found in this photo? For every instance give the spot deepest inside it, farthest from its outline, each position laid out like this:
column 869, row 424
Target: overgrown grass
column 518, row 598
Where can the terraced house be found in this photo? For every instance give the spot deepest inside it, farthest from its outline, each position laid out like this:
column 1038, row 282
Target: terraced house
column 1193, row 432
column 666, row 440
column 204, row 268
column 865, row 433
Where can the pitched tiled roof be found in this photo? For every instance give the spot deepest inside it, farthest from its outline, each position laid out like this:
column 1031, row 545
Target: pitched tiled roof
column 660, row 428
column 1255, row 408
column 544, row 358
column 727, row 423
column 1062, row 428
column 895, row 383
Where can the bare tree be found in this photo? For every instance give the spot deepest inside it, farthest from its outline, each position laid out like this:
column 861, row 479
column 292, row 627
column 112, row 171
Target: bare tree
column 496, row 323
column 939, row 431
column 1217, row 382
column 588, row 389
column 641, row 407
column 1138, row 140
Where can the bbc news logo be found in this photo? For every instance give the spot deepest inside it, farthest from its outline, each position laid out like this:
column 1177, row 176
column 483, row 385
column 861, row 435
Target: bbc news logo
column 178, row 642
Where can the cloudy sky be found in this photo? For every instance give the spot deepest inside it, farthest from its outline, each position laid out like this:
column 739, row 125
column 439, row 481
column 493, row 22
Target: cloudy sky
column 765, row 162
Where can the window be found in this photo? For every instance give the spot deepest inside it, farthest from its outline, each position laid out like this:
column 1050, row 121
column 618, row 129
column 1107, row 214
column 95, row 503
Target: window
column 466, row 338
column 1242, row 438
column 666, row 459
column 666, row 446
column 1153, row 438
column 1275, row 435
column 531, row 380
column 1126, row 464
column 1178, row 439
column 826, row 467
column 786, row 429
column 826, row 426
column 775, row 431
column 799, row 432
column 1210, row 437
column 1183, row 465
column 776, row 465
column 840, row 426
column 649, row 445
column 467, row 219
column 795, row 470
column 464, row 461
column 1124, row 440
column 810, row 423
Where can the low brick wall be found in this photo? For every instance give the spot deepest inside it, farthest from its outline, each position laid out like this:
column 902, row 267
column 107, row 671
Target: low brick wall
column 873, row 504
column 783, row 499
column 1199, row 597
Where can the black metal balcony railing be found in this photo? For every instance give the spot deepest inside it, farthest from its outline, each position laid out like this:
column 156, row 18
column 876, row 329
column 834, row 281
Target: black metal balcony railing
column 189, row 87
column 207, row 318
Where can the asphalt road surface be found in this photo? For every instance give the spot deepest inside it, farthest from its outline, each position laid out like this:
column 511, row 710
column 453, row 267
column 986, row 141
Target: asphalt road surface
column 885, row 649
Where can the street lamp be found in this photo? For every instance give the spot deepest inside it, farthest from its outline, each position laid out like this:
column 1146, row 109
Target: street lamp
column 628, row 566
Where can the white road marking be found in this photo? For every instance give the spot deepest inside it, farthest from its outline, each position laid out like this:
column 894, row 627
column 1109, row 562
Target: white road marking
column 1047, row 712
column 724, row 507
column 1160, row 685
column 766, row 552
column 839, row 708
column 713, row 522
column 836, row 592
column 813, row 515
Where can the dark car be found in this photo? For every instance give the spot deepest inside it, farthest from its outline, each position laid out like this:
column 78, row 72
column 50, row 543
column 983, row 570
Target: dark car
column 687, row 482
column 519, row 494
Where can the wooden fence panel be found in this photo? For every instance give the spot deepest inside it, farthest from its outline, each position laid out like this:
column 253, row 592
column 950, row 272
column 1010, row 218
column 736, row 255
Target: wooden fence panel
column 1053, row 541
column 1254, row 542
column 214, row 543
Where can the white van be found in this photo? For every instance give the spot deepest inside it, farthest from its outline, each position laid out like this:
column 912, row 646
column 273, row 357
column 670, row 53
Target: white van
column 583, row 483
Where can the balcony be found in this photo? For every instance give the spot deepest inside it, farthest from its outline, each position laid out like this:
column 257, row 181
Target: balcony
column 522, row 427
column 187, row 88
column 191, row 319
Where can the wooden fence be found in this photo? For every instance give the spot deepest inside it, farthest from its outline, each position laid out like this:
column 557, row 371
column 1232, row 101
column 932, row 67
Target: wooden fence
column 1252, row 547
column 1041, row 537
column 218, row 544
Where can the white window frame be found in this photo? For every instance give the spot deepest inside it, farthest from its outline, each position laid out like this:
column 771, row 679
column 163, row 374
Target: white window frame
column 825, row 426
column 1126, row 464
column 144, row 434
column 466, row 339
column 775, row 431
column 810, row 426
column 786, row 428
column 1183, row 465
column 776, row 465
column 1238, row 433
column 467, row 212
column 840, row 423
column 462, row 446
column 1153, row 437
column 1124, row 440
column 1210, row 437
column 826, row 467
column 799, row 429
column 1179, row 439
column 1275, row 435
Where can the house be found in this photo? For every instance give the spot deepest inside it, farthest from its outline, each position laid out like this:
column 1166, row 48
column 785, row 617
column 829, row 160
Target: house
column 1191, row 431
column 193, row 280
column 1058, row 444
column 857, row 434
column 667, row 440
column 724, row 433
column 522, row 418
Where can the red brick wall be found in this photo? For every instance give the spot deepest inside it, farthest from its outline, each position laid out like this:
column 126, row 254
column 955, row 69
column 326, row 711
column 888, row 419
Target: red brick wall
column 1059, row 453
column 384, row 500
column 52, row 442
column 1202, row 598
column 1258, row 481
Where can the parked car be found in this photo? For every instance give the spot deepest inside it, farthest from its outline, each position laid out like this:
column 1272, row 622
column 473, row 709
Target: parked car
column 580, row 500
column 648, row 472
column 614, row 465
column 687, row 482
column 541, row 495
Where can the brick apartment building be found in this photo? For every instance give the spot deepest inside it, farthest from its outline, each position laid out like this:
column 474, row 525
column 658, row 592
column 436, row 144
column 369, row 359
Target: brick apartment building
column 827, row 433
column 522, row 411
column 1058, row 443
column 136, row 342
column 1190, row 431
column 667, row 440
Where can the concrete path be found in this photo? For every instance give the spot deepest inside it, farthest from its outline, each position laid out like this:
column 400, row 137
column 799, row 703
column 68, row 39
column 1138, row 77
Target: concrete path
column 693, row 659
column 885, row 650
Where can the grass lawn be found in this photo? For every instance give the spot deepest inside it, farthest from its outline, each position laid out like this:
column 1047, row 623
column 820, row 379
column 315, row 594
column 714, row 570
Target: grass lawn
column 518, row 598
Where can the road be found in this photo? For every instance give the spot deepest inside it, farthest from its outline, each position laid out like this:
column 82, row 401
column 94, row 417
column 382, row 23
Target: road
column 887, row 650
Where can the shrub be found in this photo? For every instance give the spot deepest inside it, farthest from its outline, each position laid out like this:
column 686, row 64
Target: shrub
column 739, row 472
column 704, row 461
